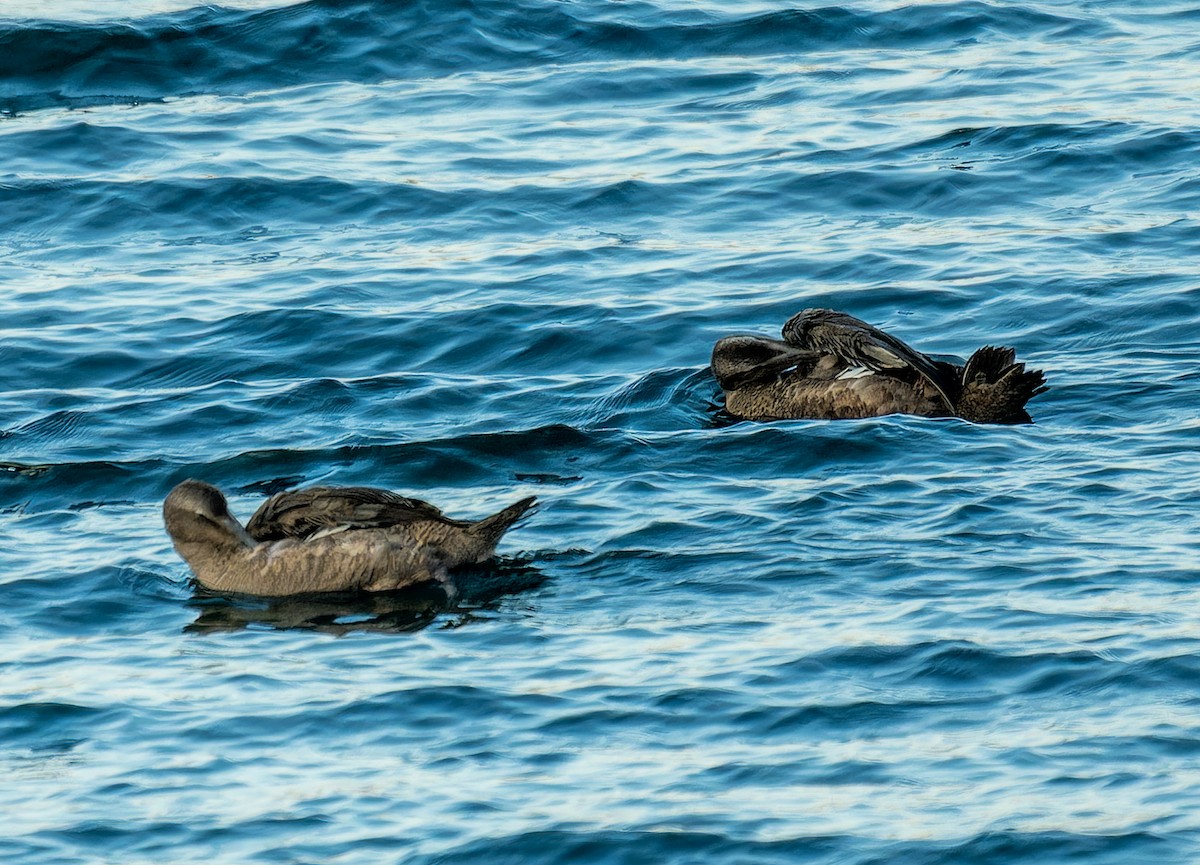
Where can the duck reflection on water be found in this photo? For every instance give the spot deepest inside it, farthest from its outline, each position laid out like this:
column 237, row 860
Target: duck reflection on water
column 479, row 591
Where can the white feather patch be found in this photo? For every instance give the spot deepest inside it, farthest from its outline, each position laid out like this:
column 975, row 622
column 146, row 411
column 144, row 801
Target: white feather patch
column 855, row 372
column 324, row 533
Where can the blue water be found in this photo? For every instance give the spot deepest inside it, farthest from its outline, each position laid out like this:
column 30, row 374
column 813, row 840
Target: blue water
column 479, row 250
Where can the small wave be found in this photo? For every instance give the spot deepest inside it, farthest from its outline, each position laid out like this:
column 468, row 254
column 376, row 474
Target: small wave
column 49, row 725
column 468, row 459
column 221, row 50
column 665, row 399
column 181, row 206
column 672, row 844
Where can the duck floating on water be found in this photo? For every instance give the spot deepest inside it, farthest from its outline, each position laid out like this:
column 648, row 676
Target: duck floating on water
column 326, row 539
column 832, row 365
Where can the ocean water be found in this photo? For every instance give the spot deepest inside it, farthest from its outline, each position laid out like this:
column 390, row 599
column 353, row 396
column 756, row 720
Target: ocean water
column 478, row 250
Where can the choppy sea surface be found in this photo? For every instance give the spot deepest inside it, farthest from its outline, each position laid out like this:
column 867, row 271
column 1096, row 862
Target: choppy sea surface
column 477, row 250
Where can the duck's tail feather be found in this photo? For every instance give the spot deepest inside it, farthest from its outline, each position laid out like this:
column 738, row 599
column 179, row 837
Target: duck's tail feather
column 995, row 387
column 491, row 529
column 991, row 361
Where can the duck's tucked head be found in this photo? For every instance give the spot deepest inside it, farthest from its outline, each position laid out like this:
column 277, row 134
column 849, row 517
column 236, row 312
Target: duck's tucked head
column 197, row 513
column 738, row 361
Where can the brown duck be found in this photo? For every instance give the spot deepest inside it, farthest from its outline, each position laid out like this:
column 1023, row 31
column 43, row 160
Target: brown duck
column 833, row 365
column 326, row 539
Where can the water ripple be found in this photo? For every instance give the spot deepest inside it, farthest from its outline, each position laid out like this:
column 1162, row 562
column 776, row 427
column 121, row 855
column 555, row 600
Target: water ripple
column 480, row 250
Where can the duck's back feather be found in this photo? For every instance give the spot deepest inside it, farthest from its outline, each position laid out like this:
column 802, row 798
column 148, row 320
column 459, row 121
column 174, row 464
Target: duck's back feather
column 858, row 343
column 303, row 513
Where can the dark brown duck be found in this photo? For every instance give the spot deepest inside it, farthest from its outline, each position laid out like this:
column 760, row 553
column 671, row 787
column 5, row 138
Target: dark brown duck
column 325, row 539
column 833, row 365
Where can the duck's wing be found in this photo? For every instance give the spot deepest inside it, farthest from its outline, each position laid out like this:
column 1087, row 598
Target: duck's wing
column 857, row 343
column 302, row 513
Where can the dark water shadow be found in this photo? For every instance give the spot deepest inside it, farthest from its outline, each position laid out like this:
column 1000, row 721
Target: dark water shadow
column 478, row 592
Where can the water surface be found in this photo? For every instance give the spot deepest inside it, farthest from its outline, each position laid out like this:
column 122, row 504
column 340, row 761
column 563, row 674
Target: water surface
column 474, row 251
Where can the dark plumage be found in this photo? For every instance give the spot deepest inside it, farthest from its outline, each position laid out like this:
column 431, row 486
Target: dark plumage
column 302, row 513
column 833, row 365
column 856, row 343
column 325, row 539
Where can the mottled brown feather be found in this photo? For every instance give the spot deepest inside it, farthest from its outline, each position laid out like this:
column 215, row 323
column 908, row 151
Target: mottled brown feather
column 304, row 512
column 864, row 372
column 857, row 343
column 415, row 544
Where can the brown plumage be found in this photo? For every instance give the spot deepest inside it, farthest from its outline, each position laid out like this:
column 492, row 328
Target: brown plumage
column 858, row 344
column 325, row 539
column 301, row 513
column 995, row 387
column 833, row 365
